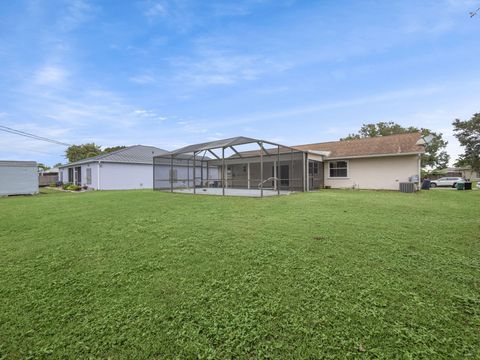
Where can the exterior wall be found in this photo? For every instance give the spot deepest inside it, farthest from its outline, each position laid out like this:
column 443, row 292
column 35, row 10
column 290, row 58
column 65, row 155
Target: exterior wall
column 115, row 176
column 18, row 179
column 63, row 174
column 376, row 173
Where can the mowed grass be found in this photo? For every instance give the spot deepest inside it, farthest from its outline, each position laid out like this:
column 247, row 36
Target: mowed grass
column 151, row 275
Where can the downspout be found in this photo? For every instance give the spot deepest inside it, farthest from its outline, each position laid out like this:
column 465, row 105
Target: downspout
column 419, row 170
column 98, row 176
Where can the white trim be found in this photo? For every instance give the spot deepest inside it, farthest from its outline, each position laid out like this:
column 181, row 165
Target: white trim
column 371, row 156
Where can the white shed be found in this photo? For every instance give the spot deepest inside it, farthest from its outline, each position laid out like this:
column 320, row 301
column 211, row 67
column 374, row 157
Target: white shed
column 18, row 177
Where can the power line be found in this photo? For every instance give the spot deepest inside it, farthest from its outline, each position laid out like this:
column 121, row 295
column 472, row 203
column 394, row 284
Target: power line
column 31, row 136
column 42, row 152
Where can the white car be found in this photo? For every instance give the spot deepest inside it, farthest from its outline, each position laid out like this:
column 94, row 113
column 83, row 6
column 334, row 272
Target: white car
column 446, row 181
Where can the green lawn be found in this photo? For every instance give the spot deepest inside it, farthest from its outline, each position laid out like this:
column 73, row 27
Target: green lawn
column 151, row 275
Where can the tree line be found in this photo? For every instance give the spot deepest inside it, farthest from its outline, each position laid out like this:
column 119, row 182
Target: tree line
column 80, row 152
column 435, row 157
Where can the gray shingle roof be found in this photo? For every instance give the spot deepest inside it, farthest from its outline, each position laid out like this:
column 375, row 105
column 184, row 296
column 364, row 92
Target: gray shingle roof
column 136, row 154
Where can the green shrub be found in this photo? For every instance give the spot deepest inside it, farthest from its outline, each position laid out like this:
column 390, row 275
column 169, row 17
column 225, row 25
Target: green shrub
column 71, row 187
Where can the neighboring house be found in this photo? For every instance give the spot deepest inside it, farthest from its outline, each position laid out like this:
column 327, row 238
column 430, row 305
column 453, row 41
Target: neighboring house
column 47, row 177
column 371, row 163
column 464, row 172
column 18, row 177
column 128, row 168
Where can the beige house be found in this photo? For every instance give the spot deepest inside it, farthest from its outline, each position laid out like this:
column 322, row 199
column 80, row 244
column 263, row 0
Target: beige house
column 371, row 163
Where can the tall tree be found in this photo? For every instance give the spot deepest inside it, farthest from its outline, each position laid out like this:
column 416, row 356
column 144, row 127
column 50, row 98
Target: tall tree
column 435, row 155
column 113, row 148
column 468, row 134
column 80, row 152
column 42, row 167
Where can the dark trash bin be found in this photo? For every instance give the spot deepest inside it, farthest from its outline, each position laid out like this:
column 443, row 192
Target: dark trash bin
column 426, row 184
column 460, row 185
column 468, row 185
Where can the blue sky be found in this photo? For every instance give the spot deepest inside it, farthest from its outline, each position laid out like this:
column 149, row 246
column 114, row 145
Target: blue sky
column 174, row 72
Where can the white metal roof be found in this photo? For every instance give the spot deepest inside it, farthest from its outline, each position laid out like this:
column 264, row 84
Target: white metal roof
column 18, row 163
column 136, row 154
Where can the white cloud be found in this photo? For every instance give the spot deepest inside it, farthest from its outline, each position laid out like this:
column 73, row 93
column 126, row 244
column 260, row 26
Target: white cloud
column 217, row 67
column 230, row 9
column 190, row 126
column 155, row 10
column 50, row 75
column 149, row 114
column 142, row 79
column 77, row 13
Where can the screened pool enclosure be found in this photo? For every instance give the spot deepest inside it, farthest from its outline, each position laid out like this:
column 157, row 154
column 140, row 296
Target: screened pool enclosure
column 238, row 166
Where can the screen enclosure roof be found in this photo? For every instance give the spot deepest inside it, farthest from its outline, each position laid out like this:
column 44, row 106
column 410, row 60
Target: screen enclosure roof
column 224, row 143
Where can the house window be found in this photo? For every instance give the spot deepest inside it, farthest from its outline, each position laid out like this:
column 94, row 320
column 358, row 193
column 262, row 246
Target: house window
column 89, row 176
column 338, row 169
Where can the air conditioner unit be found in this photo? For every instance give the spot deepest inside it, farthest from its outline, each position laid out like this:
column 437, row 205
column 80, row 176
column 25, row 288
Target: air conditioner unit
column 408, row 187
